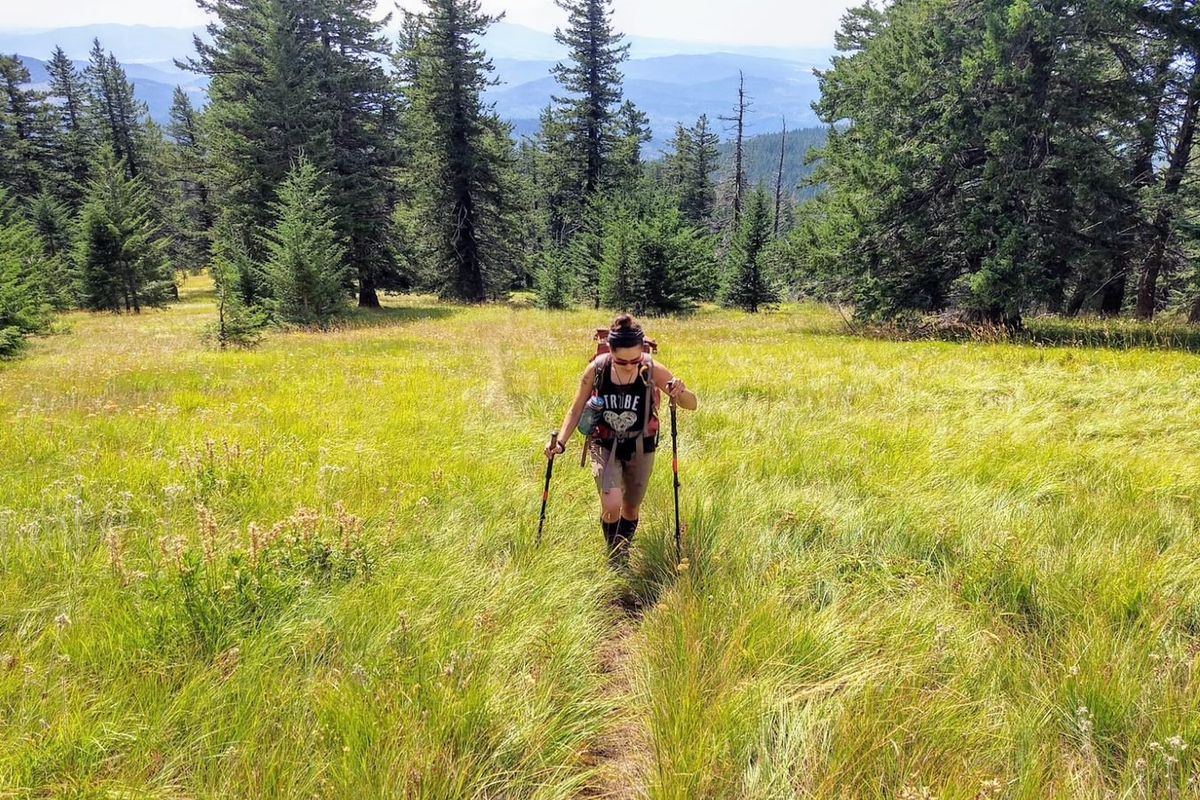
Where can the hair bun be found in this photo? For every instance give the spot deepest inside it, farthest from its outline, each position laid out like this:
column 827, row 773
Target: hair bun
column 626, row 322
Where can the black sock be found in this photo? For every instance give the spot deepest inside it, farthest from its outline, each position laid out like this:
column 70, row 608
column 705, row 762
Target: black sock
column 625, row 530
column 610, row 532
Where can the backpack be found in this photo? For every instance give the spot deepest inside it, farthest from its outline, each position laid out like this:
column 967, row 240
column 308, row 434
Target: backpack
column 649, row 347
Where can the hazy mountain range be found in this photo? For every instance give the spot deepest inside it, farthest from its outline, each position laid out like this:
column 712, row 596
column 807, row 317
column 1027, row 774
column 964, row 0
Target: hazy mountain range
column 671, row 81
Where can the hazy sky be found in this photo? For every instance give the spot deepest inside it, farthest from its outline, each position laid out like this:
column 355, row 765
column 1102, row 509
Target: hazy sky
column 765, row 22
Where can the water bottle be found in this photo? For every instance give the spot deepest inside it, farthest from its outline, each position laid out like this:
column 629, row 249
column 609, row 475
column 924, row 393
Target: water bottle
column 591, row 414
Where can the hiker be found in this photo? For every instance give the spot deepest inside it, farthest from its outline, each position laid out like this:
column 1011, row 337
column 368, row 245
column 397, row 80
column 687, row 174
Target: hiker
column 621, row 446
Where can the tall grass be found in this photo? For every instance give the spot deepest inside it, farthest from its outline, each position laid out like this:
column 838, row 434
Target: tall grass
column 917, row 569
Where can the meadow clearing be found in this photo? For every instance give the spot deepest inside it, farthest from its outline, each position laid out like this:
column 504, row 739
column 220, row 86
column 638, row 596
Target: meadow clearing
column 918, row 569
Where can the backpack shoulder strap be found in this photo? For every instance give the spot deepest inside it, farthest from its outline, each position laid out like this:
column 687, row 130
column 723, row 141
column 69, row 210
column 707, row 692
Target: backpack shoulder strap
column 601, row 362
column 650, row 397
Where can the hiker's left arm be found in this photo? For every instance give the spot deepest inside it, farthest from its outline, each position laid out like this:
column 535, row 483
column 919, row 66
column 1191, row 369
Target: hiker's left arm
column 683, row 396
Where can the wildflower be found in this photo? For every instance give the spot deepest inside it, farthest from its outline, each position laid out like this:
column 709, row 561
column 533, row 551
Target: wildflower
column 359, row 674
column 1177, row 743
column 208, row 533
column 171, row 548
column 349, row 526
column 228, row 660
column 306, row 521
column 116, row 557
column 256, row 543
column 1140, row 765
column 62, row 620
column 8, row 661
column 989, row 789
column 684, row 565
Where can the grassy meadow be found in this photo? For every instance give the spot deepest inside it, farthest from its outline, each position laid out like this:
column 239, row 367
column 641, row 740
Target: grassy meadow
column 917, row 569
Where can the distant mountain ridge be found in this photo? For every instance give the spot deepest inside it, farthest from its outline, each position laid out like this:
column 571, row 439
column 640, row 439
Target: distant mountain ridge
column 673, row 82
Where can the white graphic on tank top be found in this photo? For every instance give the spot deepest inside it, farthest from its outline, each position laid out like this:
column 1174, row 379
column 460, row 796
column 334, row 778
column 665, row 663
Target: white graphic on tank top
column 620, row 422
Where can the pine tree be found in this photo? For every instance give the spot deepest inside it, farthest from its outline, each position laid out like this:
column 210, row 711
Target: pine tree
column 306, row 265
column 24, row 308
column 25, row 131
column 238, row 324
column 463, row 178
column 697, row 195
column 121, row 261
column 677, row 159
column 632, row 131
column 620, row 283
column 748, row 286
column 555, row 284
column 188, row 171
column 263, row 62
column 52, row 221
column 118, row 114
column 592, row 78
column 74, row 142
column 362, row 107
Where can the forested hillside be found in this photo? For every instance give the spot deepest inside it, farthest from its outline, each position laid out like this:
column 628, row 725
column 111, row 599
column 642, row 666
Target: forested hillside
column 379, row 165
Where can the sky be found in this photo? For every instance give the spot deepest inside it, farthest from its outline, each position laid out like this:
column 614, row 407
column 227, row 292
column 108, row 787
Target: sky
column 800, row 23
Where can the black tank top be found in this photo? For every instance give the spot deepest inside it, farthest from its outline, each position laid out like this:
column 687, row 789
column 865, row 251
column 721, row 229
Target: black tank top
column 625, row 412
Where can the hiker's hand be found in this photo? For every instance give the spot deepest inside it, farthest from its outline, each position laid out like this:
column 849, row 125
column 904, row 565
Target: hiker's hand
column 676, row 388
column 558, row 448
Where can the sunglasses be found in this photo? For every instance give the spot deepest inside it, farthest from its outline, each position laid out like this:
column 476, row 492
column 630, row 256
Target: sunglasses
column 627, row 362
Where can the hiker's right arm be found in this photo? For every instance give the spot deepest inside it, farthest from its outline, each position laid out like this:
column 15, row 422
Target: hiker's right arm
column 575, row 412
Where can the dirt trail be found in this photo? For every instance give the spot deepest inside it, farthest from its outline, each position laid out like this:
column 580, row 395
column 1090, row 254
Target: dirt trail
column 622, row 753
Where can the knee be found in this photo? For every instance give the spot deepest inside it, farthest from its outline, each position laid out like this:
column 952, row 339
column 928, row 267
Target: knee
column 631, row 511
column 611, row 503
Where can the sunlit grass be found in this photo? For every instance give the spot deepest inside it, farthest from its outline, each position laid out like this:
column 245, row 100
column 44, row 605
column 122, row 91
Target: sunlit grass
column 918, row 569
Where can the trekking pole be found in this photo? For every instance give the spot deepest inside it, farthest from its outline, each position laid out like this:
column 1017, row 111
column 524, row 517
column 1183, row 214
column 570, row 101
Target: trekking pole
column 546, row 490
column 675, row 469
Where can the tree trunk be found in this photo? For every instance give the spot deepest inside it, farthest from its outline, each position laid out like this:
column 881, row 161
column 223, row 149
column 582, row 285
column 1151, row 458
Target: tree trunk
column 1112, row 298
column 367, row 296
column 1164, row 220
column 779, row 178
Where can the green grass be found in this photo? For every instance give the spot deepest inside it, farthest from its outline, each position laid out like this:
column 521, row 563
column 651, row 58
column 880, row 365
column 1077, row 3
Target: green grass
column 918, row 569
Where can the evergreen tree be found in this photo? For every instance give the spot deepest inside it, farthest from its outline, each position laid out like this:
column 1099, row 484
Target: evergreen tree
column 121, row 260
column 238, row 324
column 364, row 116
column 52, row 221
column 620, row 282
column 749, row 287
column 592, row 78
column 25, row 131
column 677, row 159
column 670, row 259
column 652, row 260
column 24, row 308
column 555, row 284
column 74, row 142
column 463, row 176
column 585, row 252
column 306, row 265
column 263, row 62
column 697, row 165
column 118, row 114
column 632, row 131
column 188, row 167
column 937, row 109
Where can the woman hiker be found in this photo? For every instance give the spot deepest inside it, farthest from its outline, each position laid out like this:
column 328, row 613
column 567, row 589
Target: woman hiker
column 621, row 447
